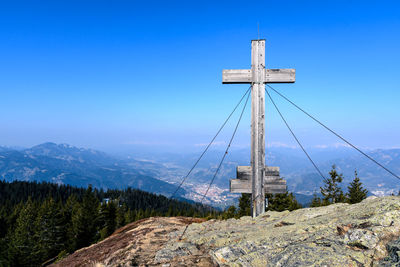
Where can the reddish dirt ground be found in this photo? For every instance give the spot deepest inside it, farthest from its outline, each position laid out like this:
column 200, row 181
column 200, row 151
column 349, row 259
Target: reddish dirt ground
column 136, row 244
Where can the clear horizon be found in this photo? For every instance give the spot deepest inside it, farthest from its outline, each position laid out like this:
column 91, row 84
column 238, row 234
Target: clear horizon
column 102, row 75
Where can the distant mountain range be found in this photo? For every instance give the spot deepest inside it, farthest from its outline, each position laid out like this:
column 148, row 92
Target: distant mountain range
column 64, row 164
column 161, row 173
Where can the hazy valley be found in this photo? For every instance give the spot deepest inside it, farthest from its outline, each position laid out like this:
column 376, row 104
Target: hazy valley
column 162, row 172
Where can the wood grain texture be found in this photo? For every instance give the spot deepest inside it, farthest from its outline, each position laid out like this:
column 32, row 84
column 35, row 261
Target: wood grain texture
column 276, row 186
column 236, row 76
column 280, row 75
column 258, row 126
column 245, row 172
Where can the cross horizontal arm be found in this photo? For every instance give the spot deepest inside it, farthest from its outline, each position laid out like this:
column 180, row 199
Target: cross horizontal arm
column 270, row 76
column 280, row 75
column 236, row 76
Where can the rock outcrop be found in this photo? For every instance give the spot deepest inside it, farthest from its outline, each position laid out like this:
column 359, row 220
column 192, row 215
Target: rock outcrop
column 136, row 244
column 363, row 234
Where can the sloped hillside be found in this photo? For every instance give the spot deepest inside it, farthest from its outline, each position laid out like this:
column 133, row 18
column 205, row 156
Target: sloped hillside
column 136, row 244
column 336, row 235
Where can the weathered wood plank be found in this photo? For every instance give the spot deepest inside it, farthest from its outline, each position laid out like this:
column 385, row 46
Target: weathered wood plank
column 281, row 190
column 241, row 76
column 245, row 172
column 280, row 75
column 274, row 181
column 272, row 171
column 236, row 76
column 240, row 186
column 257, row 125
column 245, row 186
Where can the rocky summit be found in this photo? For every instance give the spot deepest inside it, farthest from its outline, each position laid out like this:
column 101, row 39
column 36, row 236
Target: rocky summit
column 363, row 234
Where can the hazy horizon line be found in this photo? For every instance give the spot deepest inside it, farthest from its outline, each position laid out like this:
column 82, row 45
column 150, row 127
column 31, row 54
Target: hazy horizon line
column 215, row 146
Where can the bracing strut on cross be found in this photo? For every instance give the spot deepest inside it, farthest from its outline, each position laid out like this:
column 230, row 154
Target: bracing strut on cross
column 258, row 179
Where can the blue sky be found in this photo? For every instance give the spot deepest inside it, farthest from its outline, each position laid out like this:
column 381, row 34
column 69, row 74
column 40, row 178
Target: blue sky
column 104, row 74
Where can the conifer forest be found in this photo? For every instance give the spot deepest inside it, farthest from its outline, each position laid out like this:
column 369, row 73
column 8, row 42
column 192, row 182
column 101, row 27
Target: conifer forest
column 42, row 222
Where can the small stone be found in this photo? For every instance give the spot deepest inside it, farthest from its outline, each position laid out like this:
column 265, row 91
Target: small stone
column 361, row 238
column 343, row 229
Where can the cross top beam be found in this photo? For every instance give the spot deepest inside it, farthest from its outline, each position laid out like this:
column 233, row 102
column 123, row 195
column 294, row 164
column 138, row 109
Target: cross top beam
column 257, row 177
column 258, row 73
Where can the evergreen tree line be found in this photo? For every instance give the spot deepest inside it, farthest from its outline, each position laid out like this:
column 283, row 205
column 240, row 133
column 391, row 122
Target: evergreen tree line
column 42, row 222
column 332, row 192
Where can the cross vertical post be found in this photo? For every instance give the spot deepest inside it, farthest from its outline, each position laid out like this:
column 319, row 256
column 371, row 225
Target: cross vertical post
column 258, row 126
column 258, row 179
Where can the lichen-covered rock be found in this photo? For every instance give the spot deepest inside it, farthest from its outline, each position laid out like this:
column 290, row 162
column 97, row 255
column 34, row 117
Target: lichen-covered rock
column 361, row 238
column 335, row 235
column 363, row 234
column 393, row 258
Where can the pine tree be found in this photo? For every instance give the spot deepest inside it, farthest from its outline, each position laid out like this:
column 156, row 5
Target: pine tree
column 170, row 211
column 85, row 219
column 120, row 215
column 294, row 205
column 3, row 232
column 281, row 202
column 191, row 212
column 21, row 250
column 71, row 208
column 51, row 232
column 130, row 216
column 107, row 219
column 229, row 212
column 139, row 215
column 147, row 212
column 356, row 192
column 3, row 221
column 316, row 201
column 244, row 205
column 331, row 191
column 12, row 219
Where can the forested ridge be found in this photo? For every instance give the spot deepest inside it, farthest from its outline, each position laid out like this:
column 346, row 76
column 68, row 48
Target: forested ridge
column 41, row 222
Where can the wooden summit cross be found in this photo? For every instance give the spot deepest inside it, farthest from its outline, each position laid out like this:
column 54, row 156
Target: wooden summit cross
column 258, row 179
